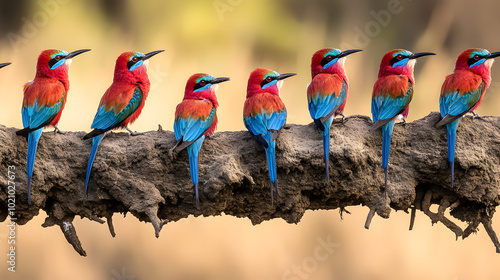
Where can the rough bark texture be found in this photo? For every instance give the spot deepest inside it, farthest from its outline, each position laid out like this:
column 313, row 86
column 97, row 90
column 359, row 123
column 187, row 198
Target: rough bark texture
column 140, row 175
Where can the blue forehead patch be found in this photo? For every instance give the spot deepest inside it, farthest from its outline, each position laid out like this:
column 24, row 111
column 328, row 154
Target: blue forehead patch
column 206, row 78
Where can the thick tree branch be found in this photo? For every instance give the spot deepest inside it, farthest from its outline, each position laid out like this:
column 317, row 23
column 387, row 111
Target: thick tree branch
column 139, row 175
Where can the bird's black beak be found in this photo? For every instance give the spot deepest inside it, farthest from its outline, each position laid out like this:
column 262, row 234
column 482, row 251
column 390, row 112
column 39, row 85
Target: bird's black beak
column 150, row 54
column 75, row 53
column 284, row 76
column 219, row 80
column 493, row 55
column 2, row 65
column 417, row 55
column 348, row 52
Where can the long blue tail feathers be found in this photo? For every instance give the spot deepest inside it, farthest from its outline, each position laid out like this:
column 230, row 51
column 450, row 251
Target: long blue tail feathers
column 385, row 178
column 452, row 166
column 193, row 151
column 326, row 145
column 451, row 128
column 386, row 146
column 326, row 151
column 96, row 140
column 193, row 169
column 271, row 165
column 33, row 138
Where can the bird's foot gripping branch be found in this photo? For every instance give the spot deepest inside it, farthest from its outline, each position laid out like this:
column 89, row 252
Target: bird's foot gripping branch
column 139, row 175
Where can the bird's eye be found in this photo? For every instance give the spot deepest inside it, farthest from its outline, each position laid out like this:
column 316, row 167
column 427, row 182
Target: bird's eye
column 135, row 59
column 329, row 57
column 476, row 57
column 58, row 57
column 203, row 82
column 269, row 79
column 399, row 56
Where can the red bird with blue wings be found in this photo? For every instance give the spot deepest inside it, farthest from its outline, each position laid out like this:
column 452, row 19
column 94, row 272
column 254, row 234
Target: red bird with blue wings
column 44, row 100
column 264, row 114
column 195, row 118
column 392, row 94
column 327, row 92
column 462, row 92
column 122, row 102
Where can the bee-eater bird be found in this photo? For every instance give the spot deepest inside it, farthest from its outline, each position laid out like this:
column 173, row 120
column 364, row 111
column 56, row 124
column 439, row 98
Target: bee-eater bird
column 44, row 100
column 122, row 102
column 195, row 118
column 264, row 114
column 392, row 94
column 462, row 93
column 2, row 65
column 327, row 92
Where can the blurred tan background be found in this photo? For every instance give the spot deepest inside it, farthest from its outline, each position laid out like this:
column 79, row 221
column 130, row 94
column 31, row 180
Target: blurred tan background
column 231, row 38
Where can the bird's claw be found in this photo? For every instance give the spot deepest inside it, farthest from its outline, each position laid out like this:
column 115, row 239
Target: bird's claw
column 342, row 121
column 209, row 136
column 172, row 154
column 476, row 116
column 343, row 118
column 342, row 210
column 403, row 123
column 58, row 131
column 133, row 133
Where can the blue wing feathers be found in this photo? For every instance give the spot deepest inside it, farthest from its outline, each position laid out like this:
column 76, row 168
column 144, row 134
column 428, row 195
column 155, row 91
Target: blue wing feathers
column 263, row 127
column 264, row 124
column 452, row 106
column 321, row 106
column 109, row 119
column 443, row 105
column 37, row 116
column 385, row 107
column 179, row 126
column 190, row 129
column 455, row 105
column 375, row 109
column 106, row 120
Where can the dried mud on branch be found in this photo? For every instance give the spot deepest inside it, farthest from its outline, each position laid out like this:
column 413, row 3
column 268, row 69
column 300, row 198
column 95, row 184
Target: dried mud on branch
column 139, row 175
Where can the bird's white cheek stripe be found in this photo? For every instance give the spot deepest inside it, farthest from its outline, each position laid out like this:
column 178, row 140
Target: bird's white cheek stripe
column 411, row 63
column 342, row 61
column 489, row 62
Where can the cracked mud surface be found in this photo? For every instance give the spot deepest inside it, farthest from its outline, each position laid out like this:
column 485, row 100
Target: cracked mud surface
column 139, row 175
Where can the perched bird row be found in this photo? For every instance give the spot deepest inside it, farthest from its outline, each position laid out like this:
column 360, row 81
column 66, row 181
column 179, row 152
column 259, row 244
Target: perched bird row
column 461, row 93
column 264, row 113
